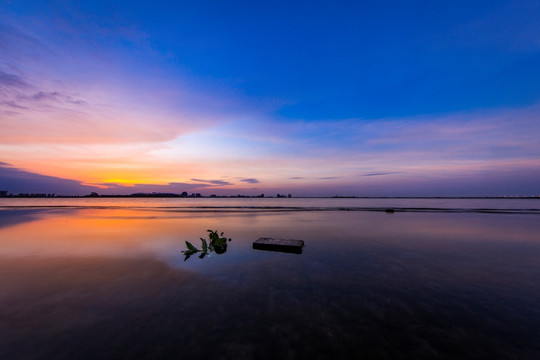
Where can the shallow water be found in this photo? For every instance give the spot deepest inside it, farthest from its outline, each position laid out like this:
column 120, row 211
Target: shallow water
column 110, row 282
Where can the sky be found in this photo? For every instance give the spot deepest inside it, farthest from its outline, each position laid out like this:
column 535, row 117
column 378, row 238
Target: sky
column 309, row 98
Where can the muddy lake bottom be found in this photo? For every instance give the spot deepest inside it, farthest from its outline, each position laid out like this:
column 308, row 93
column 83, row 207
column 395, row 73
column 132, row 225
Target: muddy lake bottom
column 112, row 283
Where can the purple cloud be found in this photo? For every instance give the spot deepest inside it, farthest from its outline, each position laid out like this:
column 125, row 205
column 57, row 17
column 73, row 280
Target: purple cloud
column 213, row 182
column 55, row 96
column 16, row 181
column 44, row 95
column 172, row 187
column 382, row 173
column 11, row 81
column 14, row 105
column 251, row 181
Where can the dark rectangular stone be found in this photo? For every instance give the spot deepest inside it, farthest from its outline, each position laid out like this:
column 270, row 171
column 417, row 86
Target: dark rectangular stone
column 281, row 245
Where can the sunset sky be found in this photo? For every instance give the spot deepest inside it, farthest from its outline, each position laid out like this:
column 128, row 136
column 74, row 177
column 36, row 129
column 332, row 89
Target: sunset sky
column 314, row 98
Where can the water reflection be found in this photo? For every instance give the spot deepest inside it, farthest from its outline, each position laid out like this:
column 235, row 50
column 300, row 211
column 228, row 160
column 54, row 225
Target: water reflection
column 11, row 217
column 109, row 283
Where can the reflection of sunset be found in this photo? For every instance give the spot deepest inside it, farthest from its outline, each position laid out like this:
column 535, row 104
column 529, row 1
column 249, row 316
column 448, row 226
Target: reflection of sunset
column 119, row 271
column 131, row 232
column 90, row 232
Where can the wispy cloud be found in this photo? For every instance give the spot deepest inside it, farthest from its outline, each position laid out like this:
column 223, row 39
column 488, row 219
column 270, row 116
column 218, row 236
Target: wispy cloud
column 10, row 80
column 213, row 182
column 251, row 181
column 14, row 105
column 172, row 187
column 382, row 173
column 65, row 93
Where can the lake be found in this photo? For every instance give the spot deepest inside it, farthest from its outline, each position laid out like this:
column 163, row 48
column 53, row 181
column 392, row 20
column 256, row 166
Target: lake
column 105, row 278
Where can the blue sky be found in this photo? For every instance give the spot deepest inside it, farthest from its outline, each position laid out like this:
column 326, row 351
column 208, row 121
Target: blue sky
column 311, row 98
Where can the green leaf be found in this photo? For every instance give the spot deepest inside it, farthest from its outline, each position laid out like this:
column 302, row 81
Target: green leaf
column 191, row 247
column 204, row 246
column 220, row 241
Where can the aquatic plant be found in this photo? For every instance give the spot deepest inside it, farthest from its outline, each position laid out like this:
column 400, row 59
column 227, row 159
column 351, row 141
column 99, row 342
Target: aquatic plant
column 216, row 243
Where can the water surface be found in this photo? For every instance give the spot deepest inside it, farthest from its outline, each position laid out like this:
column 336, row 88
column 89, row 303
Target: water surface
column 109, row 281
column 289, row 204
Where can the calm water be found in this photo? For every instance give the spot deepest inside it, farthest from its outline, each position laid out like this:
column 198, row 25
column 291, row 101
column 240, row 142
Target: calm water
column 98, row 278
column 261, row 204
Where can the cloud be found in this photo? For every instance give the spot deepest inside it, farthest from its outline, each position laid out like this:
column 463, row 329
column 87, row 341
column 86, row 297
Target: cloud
column 12, row 81
column 13, row 104
column 67, row 87
column 296, row 178
column 251, row 181
column 172, row 187
column 16, row 181
column 213, row 182
column 328, row 178
column 45, row 95
column 382, row 173
column 55, row 96
column 72, row 100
